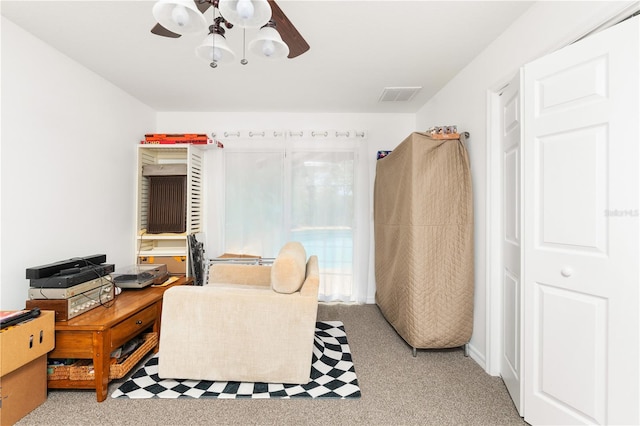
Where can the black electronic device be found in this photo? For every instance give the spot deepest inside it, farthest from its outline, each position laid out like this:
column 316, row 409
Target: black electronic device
column 44, row 271
column 77, row 277
column 11, row 318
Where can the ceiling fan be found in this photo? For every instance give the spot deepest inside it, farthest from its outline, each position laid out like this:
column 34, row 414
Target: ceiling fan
column 297, row 45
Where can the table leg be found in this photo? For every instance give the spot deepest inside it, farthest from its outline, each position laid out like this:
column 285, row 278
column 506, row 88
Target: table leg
column 101, row 357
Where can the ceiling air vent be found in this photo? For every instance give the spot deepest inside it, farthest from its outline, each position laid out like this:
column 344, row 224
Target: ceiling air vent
column 398, row 94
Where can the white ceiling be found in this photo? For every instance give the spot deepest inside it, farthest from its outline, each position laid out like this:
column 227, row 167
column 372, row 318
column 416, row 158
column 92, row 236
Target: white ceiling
column 357, row 49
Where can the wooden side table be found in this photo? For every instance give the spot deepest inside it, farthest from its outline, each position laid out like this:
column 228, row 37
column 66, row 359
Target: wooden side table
column 95, row 334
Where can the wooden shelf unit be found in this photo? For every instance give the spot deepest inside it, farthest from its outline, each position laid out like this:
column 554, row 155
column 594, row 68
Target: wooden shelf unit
column 169, row 244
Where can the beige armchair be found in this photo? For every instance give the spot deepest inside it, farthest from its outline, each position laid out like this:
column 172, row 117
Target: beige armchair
column 251, row 323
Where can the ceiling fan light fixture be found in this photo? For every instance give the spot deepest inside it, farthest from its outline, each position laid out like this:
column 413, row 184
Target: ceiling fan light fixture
column 269, row 44
column 179, row 16
column 214, row 48
column 245, row 9
column 245, row 13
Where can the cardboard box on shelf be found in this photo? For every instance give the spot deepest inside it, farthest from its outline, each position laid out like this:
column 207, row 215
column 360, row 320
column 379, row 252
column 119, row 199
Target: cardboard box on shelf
column 176, row 265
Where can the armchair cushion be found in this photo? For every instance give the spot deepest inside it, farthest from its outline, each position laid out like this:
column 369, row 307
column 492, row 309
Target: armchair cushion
column 289, row 268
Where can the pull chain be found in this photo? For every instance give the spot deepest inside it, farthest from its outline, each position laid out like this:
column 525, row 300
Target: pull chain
column 244, row 61
column 213, row 63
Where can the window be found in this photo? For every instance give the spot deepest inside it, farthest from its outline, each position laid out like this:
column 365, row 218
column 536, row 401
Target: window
column 295, row 191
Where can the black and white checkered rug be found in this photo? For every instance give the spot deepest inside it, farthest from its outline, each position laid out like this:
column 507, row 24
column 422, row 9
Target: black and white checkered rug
column 332, row 376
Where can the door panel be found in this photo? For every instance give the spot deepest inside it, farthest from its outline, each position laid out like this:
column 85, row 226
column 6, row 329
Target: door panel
column 581, row 273
column 571, row 351
column 511, row 343
column 511, row 194
column 573, row 87
column 571, row 204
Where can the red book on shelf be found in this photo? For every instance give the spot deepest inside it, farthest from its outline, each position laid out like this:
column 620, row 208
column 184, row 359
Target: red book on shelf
column 173, row 142
column 177, row 137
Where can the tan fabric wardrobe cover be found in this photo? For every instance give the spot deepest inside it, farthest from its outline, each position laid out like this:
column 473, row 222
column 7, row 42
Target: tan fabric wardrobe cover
column 423, row 215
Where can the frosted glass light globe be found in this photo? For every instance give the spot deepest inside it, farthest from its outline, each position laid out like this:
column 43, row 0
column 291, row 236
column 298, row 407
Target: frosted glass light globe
column 268, row 48
column 216, row 54
column 245, row 9
column 180, row 15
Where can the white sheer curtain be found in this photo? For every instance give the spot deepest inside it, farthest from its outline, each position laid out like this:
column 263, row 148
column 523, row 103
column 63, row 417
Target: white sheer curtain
column 322, row 218
column 253, row 202
column 312, row 191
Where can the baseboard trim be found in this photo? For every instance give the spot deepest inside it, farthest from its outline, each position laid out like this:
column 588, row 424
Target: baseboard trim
column 478, row 357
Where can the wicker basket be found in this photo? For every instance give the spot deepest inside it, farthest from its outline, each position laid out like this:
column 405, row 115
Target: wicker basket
column 117, row 371
column 83, row 369
column 58, row 372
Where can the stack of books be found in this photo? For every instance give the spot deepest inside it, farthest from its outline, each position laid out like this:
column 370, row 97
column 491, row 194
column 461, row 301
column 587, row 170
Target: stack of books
column 176, row 138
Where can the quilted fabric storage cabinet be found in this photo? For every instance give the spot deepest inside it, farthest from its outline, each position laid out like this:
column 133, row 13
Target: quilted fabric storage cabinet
column 423, row 216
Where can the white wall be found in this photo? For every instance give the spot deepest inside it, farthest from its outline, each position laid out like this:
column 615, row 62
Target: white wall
column 545, row 27
column 56, row 115
column 68, row 162
column 384, row 132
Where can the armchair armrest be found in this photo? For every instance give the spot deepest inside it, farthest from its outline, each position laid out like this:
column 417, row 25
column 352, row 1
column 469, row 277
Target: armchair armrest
column 312, row 279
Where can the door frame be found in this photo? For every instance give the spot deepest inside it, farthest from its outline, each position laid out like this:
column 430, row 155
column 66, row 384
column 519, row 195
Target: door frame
column 608, row 17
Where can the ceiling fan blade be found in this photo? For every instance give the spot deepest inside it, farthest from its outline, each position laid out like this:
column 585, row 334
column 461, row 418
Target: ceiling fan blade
column 289, row 33
column 203, row 5
column 162, row 31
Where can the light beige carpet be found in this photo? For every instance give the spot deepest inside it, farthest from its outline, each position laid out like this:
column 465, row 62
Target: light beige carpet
column 438, row 387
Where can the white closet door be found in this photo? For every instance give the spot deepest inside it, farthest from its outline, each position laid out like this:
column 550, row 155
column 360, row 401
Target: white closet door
column 511, row 276
column 581, row 232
